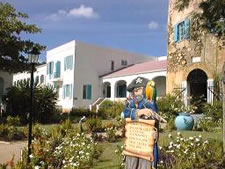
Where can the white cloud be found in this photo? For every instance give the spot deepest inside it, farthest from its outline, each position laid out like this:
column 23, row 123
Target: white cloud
column 81, row 12
column 153, row 25
column 86, row 12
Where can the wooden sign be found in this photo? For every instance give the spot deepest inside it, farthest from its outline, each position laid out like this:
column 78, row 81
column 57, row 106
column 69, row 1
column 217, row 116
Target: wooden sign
column 140, row 138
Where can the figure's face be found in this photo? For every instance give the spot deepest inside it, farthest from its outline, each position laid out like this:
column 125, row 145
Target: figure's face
column 138, row 91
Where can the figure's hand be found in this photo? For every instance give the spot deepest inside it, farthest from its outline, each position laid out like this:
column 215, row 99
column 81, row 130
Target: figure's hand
column 145, row 111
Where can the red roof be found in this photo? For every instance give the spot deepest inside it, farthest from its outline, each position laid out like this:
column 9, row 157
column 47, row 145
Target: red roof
column 145, row 67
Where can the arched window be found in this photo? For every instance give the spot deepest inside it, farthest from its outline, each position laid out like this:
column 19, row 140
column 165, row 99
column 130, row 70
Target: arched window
column 37, row 79
column 42, row 79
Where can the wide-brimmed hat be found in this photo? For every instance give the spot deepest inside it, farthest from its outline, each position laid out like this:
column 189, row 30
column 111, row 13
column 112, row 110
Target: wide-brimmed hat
column 137, row 82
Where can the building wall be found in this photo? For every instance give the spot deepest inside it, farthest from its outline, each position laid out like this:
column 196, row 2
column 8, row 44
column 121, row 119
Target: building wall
column 40, row 70
column 66, row 76
column 128, row 79
column 93, row 61
column 204, row 52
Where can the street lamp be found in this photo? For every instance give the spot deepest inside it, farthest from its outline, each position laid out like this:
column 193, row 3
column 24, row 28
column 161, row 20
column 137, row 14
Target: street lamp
column 32, row 60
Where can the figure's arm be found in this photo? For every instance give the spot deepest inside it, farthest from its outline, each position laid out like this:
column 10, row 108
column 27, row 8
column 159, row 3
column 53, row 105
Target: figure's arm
column 130, row 111
column 154, row 113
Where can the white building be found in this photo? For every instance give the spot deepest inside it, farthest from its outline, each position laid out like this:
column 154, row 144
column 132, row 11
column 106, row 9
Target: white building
column 115, row 84
column 76, row 70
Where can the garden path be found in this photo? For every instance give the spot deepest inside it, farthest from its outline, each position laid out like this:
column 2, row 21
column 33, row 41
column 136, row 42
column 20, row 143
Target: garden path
column 8, row 149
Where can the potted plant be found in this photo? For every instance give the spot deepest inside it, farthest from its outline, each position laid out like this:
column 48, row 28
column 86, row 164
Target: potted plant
column 184, row 121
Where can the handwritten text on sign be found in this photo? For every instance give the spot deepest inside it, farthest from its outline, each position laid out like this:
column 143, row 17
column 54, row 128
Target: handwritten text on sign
column 140, row 137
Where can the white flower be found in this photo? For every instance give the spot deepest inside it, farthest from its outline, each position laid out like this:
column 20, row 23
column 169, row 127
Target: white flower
column 36, row 167
column 178, row 133
column 191, row 138
column 197, row 139
column 169, row 135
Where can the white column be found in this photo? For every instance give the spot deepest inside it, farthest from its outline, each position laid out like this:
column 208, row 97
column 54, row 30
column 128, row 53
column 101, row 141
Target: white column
column 210, row 89
column 112, row 90
column 184, row 93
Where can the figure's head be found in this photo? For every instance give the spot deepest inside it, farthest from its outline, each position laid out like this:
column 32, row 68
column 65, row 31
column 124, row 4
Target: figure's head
column 137, row 86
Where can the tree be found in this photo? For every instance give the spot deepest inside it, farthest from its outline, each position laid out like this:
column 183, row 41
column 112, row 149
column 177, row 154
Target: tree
column 13, row 48
column 18, row 101
column 213, row 15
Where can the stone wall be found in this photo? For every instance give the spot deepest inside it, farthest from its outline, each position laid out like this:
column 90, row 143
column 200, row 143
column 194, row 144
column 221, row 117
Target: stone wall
column 201, row 51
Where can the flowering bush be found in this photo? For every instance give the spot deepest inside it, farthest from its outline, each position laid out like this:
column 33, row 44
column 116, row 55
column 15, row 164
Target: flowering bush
column 208, row 125
column 119, row 152
column 63, row 148
column 111, row 133
column 192, row 152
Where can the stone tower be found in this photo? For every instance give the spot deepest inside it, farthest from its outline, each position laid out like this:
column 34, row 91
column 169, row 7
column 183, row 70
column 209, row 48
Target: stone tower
column 195, row 56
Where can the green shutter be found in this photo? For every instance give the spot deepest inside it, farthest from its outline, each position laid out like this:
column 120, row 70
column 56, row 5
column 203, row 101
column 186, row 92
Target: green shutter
column 47, row 68
column 187, row 28
column 176, row 33
column 58, row 68
column 89, row 92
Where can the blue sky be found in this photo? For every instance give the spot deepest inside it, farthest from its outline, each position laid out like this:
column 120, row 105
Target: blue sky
column 138, row 26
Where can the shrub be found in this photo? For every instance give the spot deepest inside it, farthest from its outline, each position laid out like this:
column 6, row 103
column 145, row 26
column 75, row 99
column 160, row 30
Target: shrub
column 63, row 148
column 215, row 110
column 13, row 121
column 121, row 156
column 18, row 102
column 111, row 133
column 192, row 152
column 109, row 109
column 94, row 124
column 169, row 106
column 10, row 133
column 79, row 112
column 208, row 125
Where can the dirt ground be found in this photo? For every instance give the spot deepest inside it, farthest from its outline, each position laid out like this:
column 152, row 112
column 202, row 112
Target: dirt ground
column 8, row 149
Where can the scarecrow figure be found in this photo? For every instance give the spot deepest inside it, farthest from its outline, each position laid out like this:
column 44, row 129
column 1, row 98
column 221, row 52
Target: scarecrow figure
column 141, row 104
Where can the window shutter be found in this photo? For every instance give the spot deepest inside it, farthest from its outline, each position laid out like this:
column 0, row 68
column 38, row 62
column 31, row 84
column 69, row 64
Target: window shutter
column 176, row 33
column 89, row 92
column 58, row 68
column 47, row 68
column 187, row 28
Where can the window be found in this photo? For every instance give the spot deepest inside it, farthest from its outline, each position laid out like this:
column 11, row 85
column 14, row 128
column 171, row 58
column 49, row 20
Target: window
column 68, row 63
column 57, row 69
column 67, row 91
column 112, row 65
column 87, row 92
column 182, row 30
column 37, row 80
column 50, row 68
column 42, row 79
column 124, row 62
